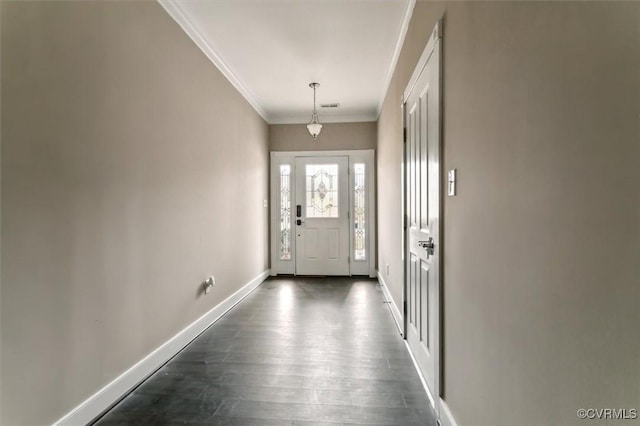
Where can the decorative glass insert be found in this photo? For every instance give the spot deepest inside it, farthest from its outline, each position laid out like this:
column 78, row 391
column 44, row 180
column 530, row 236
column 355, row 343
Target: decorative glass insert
column 285, row 212
column 322, row 190
column 359, row 213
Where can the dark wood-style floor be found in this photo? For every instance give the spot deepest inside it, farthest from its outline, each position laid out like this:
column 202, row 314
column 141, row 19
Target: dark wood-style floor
column 303, row 351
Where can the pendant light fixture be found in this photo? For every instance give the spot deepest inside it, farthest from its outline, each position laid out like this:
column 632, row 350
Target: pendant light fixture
column 314, row 127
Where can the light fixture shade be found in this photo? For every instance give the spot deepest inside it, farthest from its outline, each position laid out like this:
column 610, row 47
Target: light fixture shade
column 314, row 129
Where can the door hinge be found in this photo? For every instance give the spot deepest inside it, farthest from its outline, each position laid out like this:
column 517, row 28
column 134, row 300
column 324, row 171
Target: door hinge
column 404, row 134
column 404, row 308
column 348, row 259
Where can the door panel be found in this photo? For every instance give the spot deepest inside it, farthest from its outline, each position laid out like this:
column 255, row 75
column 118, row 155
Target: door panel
column 333, row 235
column 422, row 120
column 425, row 334
column 311, row 243
column 413, row 290
column 322, row 237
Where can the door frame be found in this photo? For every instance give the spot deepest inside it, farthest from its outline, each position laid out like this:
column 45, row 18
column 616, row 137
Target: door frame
column 435, row 39
column 277, row 158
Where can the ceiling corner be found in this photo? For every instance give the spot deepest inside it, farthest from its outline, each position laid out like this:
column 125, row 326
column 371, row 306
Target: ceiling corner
column 175, row 11
column 396, row 53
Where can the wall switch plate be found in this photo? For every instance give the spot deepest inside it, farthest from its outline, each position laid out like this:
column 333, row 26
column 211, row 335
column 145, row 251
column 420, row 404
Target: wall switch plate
column 451, row 183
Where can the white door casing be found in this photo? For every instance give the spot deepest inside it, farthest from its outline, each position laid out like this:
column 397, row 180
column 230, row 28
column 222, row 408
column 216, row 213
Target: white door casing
column 288, row 190
column 422, row 118
column 321, row 215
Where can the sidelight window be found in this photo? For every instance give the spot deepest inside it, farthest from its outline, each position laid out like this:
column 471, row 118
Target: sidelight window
column 359, row 213
column 285, row 212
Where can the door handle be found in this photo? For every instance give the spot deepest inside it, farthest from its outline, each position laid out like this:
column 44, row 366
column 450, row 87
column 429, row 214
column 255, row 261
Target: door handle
column 428, row 245
column 299, row 222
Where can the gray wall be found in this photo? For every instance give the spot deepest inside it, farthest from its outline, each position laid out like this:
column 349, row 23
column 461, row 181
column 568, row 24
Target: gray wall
column 334, row 136
column 131, row 170
column 542, row 243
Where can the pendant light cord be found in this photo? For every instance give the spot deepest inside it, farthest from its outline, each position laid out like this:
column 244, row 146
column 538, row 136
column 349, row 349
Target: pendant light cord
column 315, row 111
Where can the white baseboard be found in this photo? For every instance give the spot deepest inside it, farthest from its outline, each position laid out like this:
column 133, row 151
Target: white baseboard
column 446, row 418
column 112, row 392
column 422, row 378
column 395, row 312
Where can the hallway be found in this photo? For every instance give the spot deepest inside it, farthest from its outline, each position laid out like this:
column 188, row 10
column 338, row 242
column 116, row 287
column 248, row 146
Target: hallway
column 297, row 351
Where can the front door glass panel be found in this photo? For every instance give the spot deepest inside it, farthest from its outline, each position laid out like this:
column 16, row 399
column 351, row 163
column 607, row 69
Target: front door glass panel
column 321, row 190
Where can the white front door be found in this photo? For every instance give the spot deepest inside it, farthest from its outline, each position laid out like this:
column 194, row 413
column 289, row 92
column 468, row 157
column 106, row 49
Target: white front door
column 422, row 123
column 328, row 236
column 321, row 216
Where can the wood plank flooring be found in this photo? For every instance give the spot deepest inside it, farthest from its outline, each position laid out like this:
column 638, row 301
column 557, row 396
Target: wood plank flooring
column 297, row 351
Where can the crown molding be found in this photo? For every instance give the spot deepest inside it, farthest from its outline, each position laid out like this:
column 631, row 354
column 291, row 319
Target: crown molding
column 396, row 53
column 324, row 119
column 175, row 11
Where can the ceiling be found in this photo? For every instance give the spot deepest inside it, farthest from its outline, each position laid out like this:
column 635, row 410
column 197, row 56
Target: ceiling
column 271, row 50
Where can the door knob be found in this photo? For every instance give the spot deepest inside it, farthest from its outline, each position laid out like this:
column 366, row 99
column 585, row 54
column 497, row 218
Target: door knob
column 299, row 222
column 428, row 245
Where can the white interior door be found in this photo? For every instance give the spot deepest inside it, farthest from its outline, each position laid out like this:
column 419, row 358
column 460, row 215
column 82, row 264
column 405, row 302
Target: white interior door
column 422, row 121
column 321, row 215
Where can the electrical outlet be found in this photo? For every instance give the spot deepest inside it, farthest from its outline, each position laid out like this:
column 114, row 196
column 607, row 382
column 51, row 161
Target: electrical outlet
column 208, row 284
